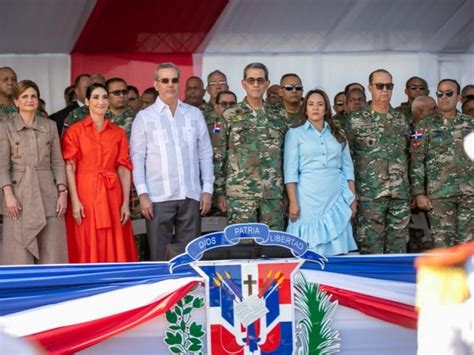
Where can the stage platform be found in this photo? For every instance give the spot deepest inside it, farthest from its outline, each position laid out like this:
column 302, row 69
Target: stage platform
column 357, row 304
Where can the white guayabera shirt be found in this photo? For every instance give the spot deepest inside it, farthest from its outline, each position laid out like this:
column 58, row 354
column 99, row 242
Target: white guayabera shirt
column 171, row 156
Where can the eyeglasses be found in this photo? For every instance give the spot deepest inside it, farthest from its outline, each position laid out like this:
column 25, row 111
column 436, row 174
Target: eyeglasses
column 222, row 82
column 225, row 104
column 339, row 103
column 252, row 81
column 380, row 86
column 273, row 94
column 290, row 87
column 167, row 80
column 123, row 92
column 468, row 97
column 417, row 87
column 441, row 93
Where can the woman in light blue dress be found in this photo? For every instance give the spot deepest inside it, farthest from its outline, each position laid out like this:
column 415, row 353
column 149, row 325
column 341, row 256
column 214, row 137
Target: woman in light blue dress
column 319, row 178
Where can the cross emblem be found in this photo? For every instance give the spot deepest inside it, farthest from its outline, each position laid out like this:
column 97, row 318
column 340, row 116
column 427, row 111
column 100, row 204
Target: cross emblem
column 249, row 282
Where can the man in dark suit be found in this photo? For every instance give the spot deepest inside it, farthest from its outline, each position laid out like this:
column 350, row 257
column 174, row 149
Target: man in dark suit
column 80, row 86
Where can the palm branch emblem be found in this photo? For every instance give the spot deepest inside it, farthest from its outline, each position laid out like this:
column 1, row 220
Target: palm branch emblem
column 314, row 333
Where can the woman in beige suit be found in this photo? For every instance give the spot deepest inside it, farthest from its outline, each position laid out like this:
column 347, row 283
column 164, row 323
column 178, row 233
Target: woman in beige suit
column 33, row 181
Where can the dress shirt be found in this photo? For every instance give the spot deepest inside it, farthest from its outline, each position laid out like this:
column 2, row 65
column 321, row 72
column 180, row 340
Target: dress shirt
column 171, row 156
column 308, row 150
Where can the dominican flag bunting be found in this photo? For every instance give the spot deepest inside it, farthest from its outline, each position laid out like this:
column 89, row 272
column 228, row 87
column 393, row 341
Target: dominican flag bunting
column 68, row 308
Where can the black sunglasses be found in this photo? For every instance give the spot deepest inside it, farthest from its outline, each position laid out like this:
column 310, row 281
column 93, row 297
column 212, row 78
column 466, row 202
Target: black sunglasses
column 380, row 86
column 123, row 92
column 290, row 87
column 167, row 80
column 448, row 93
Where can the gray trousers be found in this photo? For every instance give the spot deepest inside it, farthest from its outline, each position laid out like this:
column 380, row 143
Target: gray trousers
column 180, row 216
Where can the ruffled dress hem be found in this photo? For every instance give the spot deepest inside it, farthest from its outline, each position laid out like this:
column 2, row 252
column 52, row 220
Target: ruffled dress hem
column 331, row 233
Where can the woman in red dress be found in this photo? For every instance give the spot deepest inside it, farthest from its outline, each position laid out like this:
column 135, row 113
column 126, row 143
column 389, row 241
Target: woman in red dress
column 98, row 173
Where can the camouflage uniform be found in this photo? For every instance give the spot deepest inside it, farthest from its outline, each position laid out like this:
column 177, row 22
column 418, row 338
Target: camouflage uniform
column 7, row 110
column 293, row 119
column 123, row 120
column 248, row 165
column 76, row 115
column 340, row 120
column 405, row 108
column 208, row 111
column 379, row 146
column 441, row 170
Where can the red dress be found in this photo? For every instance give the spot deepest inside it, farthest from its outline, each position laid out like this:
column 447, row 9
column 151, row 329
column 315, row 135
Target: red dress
column 101, row 236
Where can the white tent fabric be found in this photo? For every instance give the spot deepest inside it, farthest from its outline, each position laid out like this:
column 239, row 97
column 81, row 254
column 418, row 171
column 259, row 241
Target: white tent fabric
column 52, row 73
column 330, row 43
column 334, row 26
column 42, row 26
column 327, row 42
column 332, row 72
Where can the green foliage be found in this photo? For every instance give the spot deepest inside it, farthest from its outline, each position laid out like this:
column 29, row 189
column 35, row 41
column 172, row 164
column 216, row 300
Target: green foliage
column 313, row 330
column 183, row 335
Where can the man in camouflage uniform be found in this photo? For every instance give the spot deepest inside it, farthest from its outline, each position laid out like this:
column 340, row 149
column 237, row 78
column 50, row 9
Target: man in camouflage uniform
column 249, row 179
column 81, row 84
column 224, row 100
column 414, row 87
column 121, row 115
column 442, row 176
column 340, row 118
column 216, row 82
column 118, row 112
column 291, row 92
column 379, row 139
column 8, row 81
column 273, row 97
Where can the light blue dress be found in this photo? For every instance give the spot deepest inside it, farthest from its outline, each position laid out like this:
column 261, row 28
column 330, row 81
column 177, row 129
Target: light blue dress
column 320, row 166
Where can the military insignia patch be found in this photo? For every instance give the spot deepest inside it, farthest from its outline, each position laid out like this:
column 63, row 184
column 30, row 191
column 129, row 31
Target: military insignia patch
column 416, row 137
column 217, row 127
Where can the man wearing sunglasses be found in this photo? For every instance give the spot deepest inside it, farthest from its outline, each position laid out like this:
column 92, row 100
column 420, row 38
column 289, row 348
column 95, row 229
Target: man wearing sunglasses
column 119, row 113
column 249, row 180
column 291, row 92
column 414, row 87
column 224, row 100
column 379, row 139
column 172, row 165
column 442, row 176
